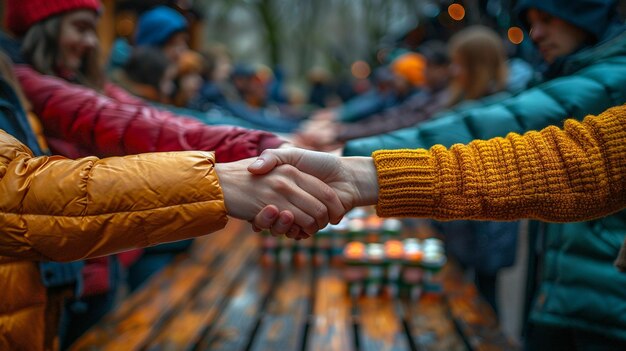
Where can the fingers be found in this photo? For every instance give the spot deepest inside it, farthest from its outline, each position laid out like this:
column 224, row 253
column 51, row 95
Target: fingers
column 283, row 225
column 278, row 223
column 316, row 200
column 319, row 164
column 325, row 194
column 267, row 161
column 266, row 218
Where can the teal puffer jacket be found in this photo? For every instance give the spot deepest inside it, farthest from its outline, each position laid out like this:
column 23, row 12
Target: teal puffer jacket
column 579, row 287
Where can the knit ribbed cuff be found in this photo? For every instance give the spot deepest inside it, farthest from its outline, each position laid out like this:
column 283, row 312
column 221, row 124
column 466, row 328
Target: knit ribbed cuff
column 406, row 180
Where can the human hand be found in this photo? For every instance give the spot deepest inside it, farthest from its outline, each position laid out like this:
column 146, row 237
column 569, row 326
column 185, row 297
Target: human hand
column 326, row 114
column 318, row 135
column 307, row 203
column 354, row 179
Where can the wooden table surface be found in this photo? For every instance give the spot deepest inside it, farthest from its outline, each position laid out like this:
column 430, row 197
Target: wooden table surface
column 219, row 297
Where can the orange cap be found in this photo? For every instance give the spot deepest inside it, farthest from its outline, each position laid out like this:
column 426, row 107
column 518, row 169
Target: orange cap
column 410, row 66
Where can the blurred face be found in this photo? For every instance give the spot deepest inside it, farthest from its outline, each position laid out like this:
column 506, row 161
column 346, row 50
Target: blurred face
column 77, row 38
column 436, row 76
column 166, row 86
column 553, row 36
column 458, row 70
column 223, row 68
column 176, row 46
column 190, row 84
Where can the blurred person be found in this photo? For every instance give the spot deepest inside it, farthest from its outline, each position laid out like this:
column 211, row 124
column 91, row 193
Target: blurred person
column 392, row 85
column 216, row 88
column 322, row 92
column 329, row 134
column 221, row 88
column 250, row 85
column 478, row 64
column 571, row 280
column 478, row 69
column 277, row 89
column 150, row 75
column 188, row 80
column 164, row 28
column 83, row 114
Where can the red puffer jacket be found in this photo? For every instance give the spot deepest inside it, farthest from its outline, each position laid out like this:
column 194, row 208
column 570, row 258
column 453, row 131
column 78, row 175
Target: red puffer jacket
column 80, row 121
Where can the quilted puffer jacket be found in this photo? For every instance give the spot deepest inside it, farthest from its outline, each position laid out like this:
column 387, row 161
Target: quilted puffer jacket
column 58, row 209
column 80, row 121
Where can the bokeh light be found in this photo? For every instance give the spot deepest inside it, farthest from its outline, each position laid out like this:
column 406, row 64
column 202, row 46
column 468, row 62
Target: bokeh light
column 456, row 12
column 361, row 70
column 516, row 35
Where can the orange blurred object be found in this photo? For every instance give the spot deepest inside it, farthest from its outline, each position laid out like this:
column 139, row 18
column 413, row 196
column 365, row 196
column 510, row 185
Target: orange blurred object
column 355, row 250
column 394, row 249
column 373, row 223
column 414, row 256
column 361, row 69
column 516, row 35
column 410, row 66
column 456, row 12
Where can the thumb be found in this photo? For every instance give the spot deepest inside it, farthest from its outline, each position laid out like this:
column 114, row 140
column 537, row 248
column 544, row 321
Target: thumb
column 267, row 161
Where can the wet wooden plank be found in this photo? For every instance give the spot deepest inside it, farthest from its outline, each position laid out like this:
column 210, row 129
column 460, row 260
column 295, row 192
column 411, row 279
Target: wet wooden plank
column 234, row 327
column 219, row 298
column 380, row 327
column 475, row 318
column 205, row 247
column 430, row 325
column 201, row 311
column 331, row 325
column 283, row 325
column 131, row 324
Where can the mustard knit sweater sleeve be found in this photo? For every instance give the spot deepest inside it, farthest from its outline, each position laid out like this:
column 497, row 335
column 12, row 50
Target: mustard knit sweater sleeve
column 570, row 174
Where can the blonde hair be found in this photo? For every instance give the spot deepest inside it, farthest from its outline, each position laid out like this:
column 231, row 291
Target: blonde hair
column 483, row 58
column 40, row 48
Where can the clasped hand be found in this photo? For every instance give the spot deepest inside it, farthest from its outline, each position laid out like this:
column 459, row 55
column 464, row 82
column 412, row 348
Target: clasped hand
column 296, row 192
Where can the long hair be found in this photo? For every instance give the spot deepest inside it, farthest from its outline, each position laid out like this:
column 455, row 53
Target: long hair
column 6, row 71
column 483, row 58
column 40, row 49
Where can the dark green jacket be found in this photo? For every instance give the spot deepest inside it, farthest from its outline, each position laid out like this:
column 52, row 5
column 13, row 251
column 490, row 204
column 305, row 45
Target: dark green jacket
column 578, row 286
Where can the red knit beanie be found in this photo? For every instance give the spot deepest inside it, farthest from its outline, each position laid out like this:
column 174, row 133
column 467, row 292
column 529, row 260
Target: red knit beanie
column 20, row 15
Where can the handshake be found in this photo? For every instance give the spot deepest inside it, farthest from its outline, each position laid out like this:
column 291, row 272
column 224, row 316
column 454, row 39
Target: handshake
column 296, row 192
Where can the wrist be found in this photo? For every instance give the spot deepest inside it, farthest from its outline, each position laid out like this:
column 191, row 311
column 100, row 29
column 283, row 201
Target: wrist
column 363, row 176
column 224, row 175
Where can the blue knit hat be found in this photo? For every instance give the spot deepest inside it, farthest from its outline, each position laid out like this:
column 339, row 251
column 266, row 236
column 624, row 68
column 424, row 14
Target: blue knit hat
column 156, row 26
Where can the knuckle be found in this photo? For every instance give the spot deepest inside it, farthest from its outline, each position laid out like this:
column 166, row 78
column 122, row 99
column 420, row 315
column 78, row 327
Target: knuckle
column 310, row 226
column 281, row 184
column 290, row 170
column 320, row 212
column 328, row 194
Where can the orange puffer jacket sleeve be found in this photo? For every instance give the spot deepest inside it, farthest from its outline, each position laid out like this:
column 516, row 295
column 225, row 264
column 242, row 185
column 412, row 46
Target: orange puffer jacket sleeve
column 53, row 208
